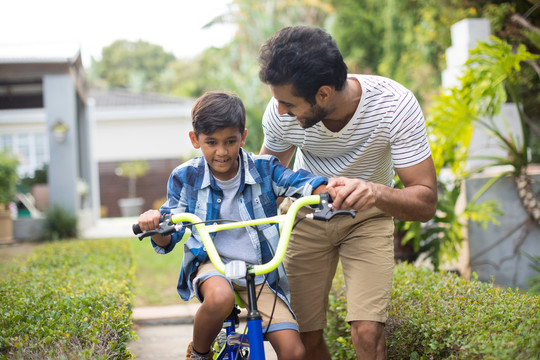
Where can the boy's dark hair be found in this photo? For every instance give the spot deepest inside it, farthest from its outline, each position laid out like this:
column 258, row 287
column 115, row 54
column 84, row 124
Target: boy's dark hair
column 305, row 57
column 217, row 110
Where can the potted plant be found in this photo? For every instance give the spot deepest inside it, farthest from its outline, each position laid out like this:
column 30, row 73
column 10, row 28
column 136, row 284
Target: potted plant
column 8, row 182
column 132, row 170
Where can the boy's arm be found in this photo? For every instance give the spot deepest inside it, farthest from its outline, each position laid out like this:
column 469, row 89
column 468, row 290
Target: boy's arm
column 319, row 189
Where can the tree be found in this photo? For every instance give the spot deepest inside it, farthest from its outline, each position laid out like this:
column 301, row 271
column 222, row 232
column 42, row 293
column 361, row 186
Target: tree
column 133, row 65
column 406, row 40
column 235, row 66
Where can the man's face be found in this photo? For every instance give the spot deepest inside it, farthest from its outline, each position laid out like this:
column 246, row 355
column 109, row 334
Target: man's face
column 306, row 114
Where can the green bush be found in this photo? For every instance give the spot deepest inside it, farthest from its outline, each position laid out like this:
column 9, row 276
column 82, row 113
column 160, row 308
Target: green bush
column 69, row 300
column 438, row 315
column 8, row 178
column 60, row 224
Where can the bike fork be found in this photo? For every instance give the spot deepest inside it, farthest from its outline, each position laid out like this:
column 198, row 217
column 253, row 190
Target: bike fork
column 256, row 344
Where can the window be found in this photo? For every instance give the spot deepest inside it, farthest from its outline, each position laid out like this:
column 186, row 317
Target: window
column 32, row 150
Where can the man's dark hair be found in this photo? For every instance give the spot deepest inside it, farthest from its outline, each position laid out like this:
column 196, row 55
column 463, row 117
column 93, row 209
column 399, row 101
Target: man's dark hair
column 305, row 57
column 215, row 111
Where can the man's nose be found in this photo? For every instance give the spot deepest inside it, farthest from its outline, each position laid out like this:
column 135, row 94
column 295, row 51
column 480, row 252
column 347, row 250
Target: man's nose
column 282, row 109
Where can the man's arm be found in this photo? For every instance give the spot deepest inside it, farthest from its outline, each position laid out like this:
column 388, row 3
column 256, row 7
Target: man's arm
column 284, row 157
column 417, row 201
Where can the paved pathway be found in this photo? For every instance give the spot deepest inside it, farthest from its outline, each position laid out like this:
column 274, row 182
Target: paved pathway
column 165, row 331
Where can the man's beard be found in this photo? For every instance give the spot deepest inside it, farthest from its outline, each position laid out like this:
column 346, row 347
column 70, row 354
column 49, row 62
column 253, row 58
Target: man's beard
column 318, row 114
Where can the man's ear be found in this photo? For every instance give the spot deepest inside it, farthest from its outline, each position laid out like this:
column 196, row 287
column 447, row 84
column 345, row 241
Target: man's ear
column 243, row 140
column 194, row 140
column 324, row 94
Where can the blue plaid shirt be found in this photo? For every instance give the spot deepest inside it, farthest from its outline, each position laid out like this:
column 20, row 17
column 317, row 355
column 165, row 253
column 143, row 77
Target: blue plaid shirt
column 193, row 189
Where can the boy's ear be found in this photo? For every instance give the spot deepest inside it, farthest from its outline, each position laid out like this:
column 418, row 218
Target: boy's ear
column 244, row 136
column 194, row 140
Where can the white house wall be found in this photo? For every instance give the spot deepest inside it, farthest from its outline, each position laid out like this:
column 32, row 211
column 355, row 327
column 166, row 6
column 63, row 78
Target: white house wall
column 142, row 133
column 123, row 133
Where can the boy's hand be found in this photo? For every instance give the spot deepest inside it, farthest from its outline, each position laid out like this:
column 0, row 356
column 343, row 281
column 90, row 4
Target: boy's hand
column 149, row 220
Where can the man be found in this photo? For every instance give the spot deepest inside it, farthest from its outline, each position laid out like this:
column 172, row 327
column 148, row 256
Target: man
column 354, row 129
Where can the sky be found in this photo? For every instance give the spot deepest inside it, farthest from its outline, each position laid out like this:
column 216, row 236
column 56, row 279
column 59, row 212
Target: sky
column 91, row 25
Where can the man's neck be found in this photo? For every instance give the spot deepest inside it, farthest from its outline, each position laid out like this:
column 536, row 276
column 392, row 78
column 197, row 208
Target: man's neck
column 345, row 102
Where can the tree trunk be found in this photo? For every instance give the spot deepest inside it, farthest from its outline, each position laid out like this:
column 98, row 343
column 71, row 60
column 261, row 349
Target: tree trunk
column 527, row 195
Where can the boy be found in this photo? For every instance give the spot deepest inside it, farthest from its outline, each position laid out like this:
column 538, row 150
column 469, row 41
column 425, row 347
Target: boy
column 228, row 183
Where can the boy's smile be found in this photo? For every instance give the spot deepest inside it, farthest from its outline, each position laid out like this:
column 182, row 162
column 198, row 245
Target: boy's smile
column 220, row 150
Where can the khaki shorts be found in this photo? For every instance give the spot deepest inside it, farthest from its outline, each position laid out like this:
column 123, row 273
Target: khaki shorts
column 282, row 318
column 365, row 247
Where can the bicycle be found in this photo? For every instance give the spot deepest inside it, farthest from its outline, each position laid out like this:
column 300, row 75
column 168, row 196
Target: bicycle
column 231, row 344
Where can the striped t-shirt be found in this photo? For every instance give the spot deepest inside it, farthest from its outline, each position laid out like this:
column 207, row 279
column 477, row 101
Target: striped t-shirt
column 386, row 131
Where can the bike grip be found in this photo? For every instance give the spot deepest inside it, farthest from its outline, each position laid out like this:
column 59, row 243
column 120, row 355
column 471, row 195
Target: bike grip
column 352, row 213
column 136, row 229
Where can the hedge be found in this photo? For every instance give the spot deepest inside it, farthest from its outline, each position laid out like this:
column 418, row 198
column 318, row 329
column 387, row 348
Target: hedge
column 438, row 315
column 69, row 300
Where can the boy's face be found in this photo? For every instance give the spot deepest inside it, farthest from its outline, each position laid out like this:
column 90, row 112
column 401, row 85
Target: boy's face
column 220, row 150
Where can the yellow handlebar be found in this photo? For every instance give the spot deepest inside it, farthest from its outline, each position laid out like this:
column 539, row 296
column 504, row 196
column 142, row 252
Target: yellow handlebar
column 286, row 219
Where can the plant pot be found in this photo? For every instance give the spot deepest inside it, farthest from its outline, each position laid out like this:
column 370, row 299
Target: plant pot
column 28, row 229
column 40, row 192
column 6, row 227
column 130, row 207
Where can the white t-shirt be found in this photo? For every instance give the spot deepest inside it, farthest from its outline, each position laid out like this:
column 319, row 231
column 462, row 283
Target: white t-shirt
column 386, row 131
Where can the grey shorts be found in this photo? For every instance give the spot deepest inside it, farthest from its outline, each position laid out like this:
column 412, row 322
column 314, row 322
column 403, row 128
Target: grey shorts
column 282, row 318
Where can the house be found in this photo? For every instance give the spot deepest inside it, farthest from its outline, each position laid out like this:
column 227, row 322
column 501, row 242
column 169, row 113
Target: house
column 44, row 120
column 47, row 116
column 138, row 126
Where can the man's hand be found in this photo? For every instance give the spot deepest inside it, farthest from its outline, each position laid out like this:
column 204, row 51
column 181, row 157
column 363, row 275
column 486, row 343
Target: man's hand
column 417, row 201
column 350, row 194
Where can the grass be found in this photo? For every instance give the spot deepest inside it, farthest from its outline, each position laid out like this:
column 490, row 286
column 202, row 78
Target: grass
column 156, row 275
column 12, row 255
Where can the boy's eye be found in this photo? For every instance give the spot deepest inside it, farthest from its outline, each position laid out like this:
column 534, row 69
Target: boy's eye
column 211, row 142
column 231, row 142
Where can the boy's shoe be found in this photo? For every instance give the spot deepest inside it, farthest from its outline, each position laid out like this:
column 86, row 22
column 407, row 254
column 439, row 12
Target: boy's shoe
column 193, row 355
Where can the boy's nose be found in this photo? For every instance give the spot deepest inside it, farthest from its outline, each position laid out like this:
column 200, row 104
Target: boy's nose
column 222, row 150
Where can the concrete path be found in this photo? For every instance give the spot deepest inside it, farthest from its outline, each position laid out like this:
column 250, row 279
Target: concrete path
column 164, row 332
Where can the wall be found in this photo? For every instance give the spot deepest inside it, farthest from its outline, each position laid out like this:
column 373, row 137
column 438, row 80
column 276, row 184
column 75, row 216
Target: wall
column 142, row 132
column 151, row 187
column 496, row 253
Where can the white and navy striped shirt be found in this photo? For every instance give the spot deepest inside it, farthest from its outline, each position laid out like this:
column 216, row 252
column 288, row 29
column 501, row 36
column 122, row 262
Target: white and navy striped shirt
column 386, row 131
